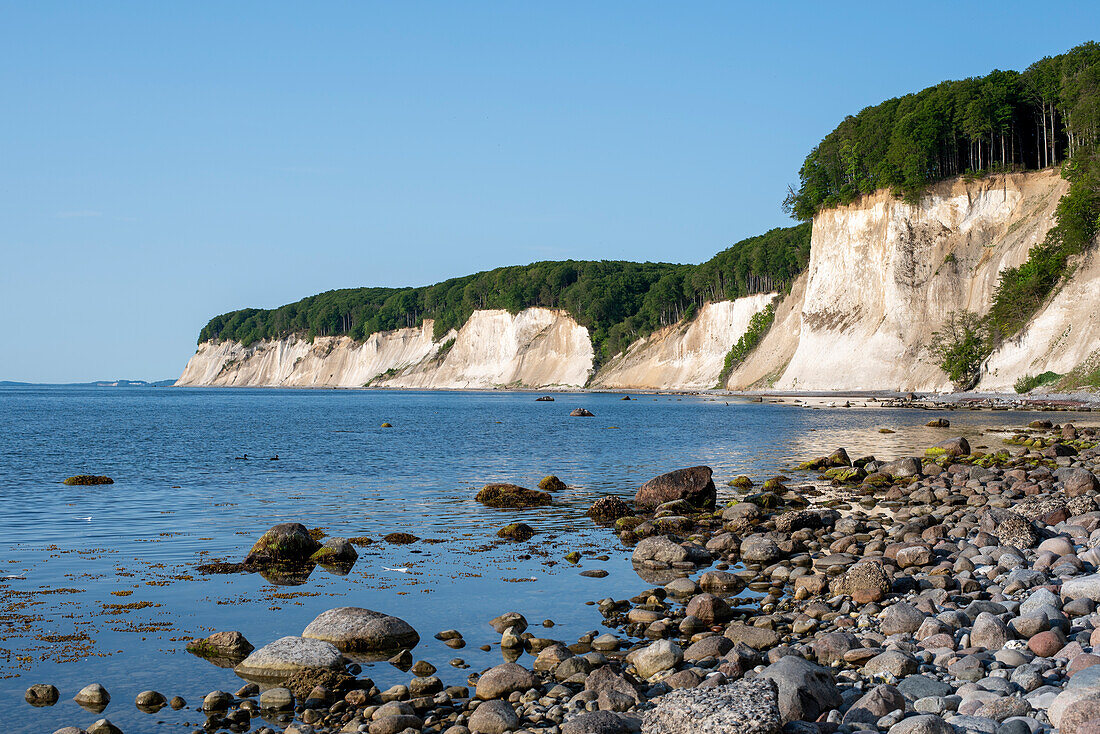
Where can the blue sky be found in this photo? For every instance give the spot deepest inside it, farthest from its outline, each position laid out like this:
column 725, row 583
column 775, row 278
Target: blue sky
column 164, row 162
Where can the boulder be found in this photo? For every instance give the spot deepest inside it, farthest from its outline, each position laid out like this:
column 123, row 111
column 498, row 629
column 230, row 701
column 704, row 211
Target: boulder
column 663, row 549
column 709, row 608
column 806, row 690
column 902, row 468
column 288, row 655
column 354, row 629
column 502, row 680
column 760, row 549
column 335, row 551
column 229, row 645
column 1077, row 481
column 873, row 705
column 551, row 483
column 1082, row 587
column 953, row 447
column 655, row 658
column 1010, row 527
column 926, row 724
column 608, row 509
column 693, row 485
column 744, row 707
column 901, row 618
column 93, row 697
column 866, row 581
column 288, row 543
column 989, row 632
column 599, row 722
column 493, row 717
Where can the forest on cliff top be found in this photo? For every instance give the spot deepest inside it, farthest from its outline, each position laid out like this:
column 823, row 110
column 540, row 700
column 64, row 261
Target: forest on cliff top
column 1047, row 115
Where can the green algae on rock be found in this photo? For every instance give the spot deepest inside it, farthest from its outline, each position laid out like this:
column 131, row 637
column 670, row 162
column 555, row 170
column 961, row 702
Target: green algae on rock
column 88, row 480
column 511, row 495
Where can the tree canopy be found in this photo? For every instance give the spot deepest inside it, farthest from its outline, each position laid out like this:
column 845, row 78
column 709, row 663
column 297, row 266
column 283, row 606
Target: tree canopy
column 618, row 301
column 1006, row 120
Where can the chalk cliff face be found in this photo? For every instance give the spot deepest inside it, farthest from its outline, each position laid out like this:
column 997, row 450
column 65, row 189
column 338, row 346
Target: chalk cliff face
column 686, row 356
column 884, row 275
column 1063, row 336
column 535, row 348
column 295, row 362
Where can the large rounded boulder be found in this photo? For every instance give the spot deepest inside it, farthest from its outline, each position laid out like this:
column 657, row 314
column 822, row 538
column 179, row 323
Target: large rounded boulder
column 354, row 629
column 693, row 485
column 286, row 656
column 288, row 543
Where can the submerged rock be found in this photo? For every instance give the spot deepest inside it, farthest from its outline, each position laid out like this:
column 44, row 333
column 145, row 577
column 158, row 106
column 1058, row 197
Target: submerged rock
column 88, row 480
column 517, row 531
column 337, row 551
column 224, row 649
column 511, row 495
column 551, row 483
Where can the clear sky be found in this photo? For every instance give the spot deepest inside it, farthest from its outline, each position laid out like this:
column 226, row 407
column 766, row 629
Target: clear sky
column 162, row 162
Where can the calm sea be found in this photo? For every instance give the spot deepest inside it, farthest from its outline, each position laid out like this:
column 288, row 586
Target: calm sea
column 105, row 588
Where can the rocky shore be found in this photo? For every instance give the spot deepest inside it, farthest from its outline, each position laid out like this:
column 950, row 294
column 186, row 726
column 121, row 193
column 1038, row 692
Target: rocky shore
column 950, row 593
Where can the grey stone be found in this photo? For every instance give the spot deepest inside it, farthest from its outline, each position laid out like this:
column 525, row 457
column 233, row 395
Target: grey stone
column 498, row 682
column 493, row 717
column 655, row 658
column 924, row 724
column 356, row 629
column 806, row 689
column 286, row 656
column 744, row 707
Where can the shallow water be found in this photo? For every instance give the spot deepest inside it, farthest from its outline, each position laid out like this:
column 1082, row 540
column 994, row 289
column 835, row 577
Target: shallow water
column 110, row 594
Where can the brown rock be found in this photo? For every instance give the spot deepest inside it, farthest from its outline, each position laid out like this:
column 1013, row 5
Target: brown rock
column 693, row 485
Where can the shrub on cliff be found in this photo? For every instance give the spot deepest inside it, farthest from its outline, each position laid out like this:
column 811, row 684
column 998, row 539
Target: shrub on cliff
column 960, row 347
column 759, row 325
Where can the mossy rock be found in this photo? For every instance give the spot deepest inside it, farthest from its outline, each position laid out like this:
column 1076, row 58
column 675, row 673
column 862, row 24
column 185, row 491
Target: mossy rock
column 741, row 482
column 814, row 464
column 387, row 425
column 88, row 480
column 516, row 531
column 774, row 485
column 511, row 495
column 879, row 480
column 886, row 430
column 551, row 484
column 400, row 538
column 286, row 543
column 574, row 557
column 764, row 500
column 934, row 452
column 846, row 473
column 628, row 523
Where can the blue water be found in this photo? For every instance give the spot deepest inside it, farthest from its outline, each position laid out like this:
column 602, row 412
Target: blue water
column 181, row 499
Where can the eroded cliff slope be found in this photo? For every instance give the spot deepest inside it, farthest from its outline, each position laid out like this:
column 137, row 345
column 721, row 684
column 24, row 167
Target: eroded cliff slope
column 685, row 356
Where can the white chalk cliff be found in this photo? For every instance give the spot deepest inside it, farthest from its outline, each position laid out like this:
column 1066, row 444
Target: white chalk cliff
column 685, row 356
column 883, row 276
